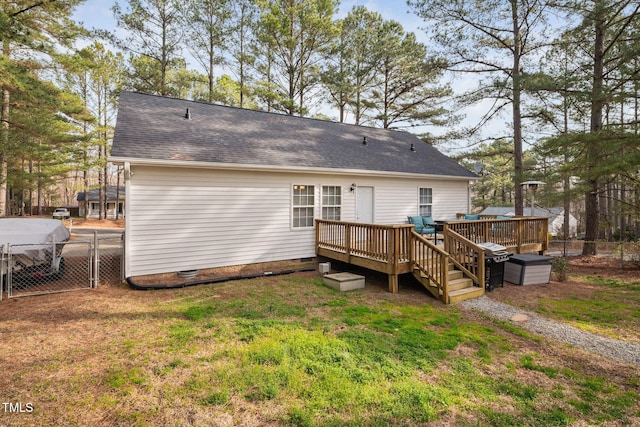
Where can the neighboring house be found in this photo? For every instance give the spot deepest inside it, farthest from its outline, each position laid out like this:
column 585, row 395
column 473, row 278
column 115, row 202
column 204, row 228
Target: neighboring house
column 90, row 202
column 555, row 215
column 211, row 186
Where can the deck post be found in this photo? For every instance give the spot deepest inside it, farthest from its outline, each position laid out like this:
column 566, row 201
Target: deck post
column 392, row 259
column 393, row 283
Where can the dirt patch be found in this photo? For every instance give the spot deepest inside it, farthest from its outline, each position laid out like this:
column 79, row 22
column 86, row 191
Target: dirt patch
column 528, row 296
column 211, row 274
column 96, row 223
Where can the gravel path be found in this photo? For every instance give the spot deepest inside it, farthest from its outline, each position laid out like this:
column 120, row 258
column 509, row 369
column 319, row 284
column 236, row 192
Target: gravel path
column 608, row 347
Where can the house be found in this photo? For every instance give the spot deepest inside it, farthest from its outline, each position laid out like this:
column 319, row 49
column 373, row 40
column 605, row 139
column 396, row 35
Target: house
column 89, row 202
column 555, row 215
column 211, row 186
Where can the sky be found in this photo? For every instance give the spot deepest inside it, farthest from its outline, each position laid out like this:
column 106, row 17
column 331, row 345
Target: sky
column 97, row 14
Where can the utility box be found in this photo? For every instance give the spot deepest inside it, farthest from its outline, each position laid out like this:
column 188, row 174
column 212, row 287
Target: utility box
column 528, row 269
column 344, row 281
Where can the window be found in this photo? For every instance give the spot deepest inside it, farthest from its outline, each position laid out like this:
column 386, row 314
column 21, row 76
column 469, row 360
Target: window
column 331, row 202
column 303, row 203
column 425, row 202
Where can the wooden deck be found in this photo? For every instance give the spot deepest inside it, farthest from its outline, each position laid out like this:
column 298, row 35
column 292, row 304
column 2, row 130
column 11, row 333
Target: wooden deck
column 451, row 272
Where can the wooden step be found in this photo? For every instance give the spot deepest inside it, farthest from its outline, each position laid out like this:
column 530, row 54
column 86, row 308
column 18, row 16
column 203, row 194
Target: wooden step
column 457, row 284
column 465, row 294
column 459, row 287
column 455, row 274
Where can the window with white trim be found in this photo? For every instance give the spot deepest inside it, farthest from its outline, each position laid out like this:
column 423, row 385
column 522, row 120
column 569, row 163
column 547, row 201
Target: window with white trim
column 331, row 202
column 425, row 202
column 303, row 206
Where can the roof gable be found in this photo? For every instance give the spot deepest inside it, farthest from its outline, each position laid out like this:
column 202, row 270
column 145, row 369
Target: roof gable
column 155, row 128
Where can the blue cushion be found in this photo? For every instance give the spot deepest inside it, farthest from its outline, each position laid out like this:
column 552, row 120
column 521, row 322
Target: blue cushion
column 471, row 217
column 427, row 220
column 428, row 230
column 417, row 220
column 504, row 217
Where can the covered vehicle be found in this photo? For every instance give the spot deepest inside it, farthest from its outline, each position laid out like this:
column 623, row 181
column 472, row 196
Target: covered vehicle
column 32, row 247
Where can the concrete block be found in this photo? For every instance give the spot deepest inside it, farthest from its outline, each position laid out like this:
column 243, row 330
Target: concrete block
column 344, row 281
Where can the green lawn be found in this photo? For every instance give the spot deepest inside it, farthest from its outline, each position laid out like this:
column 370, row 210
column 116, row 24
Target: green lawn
column 289, row 351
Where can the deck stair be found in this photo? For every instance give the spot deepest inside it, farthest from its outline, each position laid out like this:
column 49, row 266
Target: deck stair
column 460, row 288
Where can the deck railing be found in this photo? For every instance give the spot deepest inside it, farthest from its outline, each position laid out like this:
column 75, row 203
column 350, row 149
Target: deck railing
column 380, row 247
column 432, row 262
column 466, row 256
column 523, row 234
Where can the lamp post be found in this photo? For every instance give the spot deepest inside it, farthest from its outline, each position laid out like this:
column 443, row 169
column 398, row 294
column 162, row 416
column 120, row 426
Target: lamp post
column 533, row 186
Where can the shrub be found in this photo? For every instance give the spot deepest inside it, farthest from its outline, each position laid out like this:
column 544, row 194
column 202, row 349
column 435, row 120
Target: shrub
column 560, row 268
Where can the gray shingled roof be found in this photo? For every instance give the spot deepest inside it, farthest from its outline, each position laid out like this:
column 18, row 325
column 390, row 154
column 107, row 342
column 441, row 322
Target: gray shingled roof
column 155, row 128
column 95, row 194
column 538, row 211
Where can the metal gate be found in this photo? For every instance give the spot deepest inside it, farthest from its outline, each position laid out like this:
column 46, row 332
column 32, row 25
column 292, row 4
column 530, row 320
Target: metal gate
column 39, row 269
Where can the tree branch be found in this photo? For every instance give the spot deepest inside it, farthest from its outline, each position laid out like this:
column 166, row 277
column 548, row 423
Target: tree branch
column 41, row 3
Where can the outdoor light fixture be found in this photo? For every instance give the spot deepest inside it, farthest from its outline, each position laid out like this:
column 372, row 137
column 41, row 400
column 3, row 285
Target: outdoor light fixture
column 353, row 187
column 533, row 186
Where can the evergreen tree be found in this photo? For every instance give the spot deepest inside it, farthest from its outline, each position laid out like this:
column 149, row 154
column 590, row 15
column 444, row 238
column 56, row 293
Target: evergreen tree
column 494, row 40
column 154, row 42
column 295, row 33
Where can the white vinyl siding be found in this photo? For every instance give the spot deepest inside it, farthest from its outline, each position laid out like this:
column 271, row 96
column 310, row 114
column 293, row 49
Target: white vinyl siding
column 184, row 219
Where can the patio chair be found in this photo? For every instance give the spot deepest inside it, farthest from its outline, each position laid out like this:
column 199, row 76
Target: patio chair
column 422, row 225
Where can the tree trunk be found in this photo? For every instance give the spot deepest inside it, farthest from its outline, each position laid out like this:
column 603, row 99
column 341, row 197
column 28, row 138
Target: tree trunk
column 3, row 153
column 597, row 105
column 517, row 114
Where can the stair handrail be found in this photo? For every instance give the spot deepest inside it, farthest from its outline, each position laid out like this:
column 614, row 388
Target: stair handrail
column 432, row 261
column 465, row 255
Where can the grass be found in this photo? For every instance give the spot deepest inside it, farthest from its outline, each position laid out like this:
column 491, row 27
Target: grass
column 608, row 312
column 289, row 351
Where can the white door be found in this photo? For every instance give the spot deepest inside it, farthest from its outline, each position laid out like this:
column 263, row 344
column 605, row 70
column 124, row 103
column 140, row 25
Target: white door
column 364, row 205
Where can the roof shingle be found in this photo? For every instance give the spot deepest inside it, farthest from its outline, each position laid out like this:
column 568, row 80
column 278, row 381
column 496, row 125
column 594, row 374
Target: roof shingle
column 155, row 128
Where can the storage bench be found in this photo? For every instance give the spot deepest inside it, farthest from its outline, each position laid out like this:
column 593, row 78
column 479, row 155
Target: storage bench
column 528, row 269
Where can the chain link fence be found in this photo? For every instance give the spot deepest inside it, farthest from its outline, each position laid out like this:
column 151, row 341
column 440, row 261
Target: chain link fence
column 37, row 269
column 625, row 252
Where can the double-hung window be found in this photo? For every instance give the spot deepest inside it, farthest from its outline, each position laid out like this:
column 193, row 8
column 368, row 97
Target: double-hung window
column 303, row 206
column 425, row 202
column 331, row 202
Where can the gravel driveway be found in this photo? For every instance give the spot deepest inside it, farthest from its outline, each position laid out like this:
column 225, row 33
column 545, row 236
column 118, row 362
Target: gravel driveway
column 608, row 347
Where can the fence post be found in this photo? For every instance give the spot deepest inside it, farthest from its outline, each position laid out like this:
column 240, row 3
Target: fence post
column 9, row 271
column 1, row 269
column 96, row 260
column 122, row 258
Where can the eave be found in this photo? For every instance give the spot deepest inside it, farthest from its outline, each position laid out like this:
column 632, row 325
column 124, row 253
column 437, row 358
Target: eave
column 270, row 168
